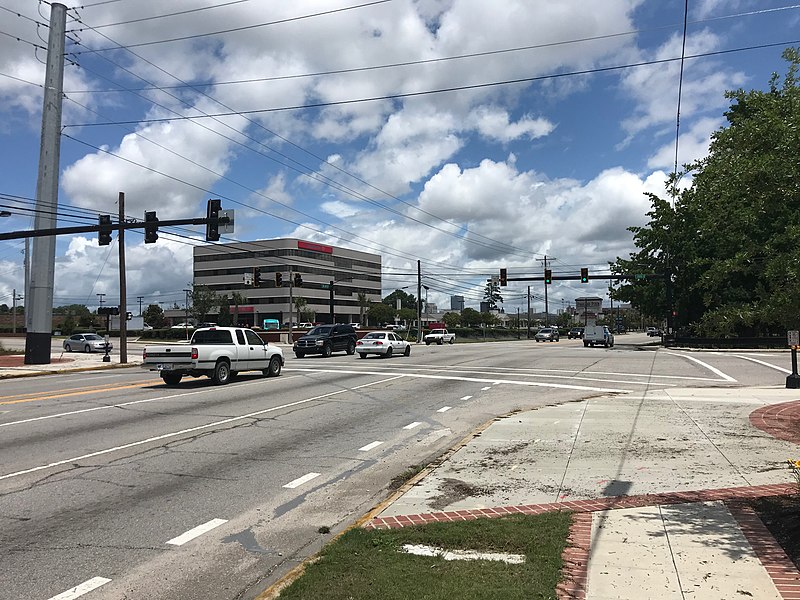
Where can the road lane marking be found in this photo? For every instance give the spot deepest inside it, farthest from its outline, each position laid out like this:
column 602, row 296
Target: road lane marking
column 78, row 393
column 81, row 589
column 122, row 404
column 301, row 480
column 358, row 387
column 369, row 447
column 412, row 425
column 466, row 397
column 483, row 389
column 476, row 379
column 166, row 436
column 196, row 532
column 706, row 365
column 444, row 409
column 766, row 364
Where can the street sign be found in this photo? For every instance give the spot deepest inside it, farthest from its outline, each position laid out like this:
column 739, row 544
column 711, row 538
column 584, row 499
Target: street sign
column 640, row 276
column 793, row 338
column 248, row 278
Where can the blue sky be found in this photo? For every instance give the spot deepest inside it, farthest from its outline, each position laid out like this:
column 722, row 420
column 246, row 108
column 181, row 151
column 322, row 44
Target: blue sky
column 467, row 181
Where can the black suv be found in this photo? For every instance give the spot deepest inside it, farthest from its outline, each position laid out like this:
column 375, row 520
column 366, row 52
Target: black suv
column 325, row 339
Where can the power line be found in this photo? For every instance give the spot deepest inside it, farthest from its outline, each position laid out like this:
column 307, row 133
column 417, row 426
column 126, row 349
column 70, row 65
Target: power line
column 173, row 14
column 237, row 29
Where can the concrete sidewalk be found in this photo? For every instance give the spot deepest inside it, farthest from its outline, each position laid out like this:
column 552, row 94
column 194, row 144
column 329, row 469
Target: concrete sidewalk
column 657, row 481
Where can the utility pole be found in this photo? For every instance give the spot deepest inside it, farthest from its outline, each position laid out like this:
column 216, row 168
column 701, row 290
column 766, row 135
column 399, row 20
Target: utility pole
column 101, row 299
column 139, row 299
column 14, row 311
column 123, row 287
column 546, row 306
column 186, row 313
column 419, row 301
column 39, row 299
column 529, row 312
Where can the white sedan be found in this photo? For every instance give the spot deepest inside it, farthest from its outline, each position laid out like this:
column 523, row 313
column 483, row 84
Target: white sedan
column 384, row 343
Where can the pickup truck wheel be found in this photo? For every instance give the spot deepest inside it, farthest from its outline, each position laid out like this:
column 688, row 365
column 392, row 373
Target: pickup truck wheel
column 326, row 351
column 351, row 348
column 274, row 368
column 222, row 373
column 388, row 352
column 452, row 341
column 439, row 342
column 171, row 378
column 427, row 343
column 407, row 351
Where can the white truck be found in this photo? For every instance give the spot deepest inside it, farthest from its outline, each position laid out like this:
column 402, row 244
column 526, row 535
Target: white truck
column 439, row 336
column 598, row 335
column 216, row 352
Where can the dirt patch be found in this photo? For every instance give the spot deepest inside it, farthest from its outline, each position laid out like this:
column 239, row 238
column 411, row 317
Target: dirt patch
column 18, row 360
column 453, row 490
column 781, row 515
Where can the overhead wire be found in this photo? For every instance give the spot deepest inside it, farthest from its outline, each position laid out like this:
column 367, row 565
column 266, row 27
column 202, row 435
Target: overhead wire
column 163, row 16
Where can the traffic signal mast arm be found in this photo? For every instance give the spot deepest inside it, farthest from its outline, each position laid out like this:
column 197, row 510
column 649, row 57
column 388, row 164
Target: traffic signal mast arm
column 605, row 277
column 15, row 235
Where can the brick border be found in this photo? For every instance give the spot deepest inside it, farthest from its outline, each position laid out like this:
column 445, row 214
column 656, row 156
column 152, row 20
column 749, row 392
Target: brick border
column 575, row 559
column 779, row 420
column 585, row 506
column 778, row 565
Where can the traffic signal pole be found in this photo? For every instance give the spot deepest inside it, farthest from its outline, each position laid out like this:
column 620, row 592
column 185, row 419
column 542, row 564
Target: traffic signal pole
column 123, row 287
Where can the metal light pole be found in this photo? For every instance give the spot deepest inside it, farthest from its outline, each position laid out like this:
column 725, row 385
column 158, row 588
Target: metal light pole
column 186, row 313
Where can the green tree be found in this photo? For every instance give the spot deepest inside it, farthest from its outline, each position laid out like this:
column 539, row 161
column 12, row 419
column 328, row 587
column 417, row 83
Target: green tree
column 731, row 240
column 491, row 294
column 407, row 315
column 470, row 317
column 203, row 300
column 224, row 317
column 406, row 300
column 363, row 305
column 299, row 304
column 154, row 316
column 452, row 320
column 380, row 313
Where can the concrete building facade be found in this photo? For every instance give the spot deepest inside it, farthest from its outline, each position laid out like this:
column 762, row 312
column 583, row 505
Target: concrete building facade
column 226, row 268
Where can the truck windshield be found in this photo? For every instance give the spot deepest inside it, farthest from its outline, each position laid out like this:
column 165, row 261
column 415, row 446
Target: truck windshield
column 212, row 336
column 324, row 330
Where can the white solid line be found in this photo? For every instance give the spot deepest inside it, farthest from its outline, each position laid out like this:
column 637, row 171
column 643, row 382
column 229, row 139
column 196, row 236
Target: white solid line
column 358, row 387
column 196, row 532
column 483, row 389
column 81, row 589
column 412, row 425
column 422, row 550
column 706, row 365
column 165, row 436
column 563, row 386
column 766, row 364
column 301, row 480
column 369, row 447
column 120, row 405
column 444, row 409
column 466, row 397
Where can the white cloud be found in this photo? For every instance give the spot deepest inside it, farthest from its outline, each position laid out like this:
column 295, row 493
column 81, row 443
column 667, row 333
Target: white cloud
column 692, row 145
column 496, row 124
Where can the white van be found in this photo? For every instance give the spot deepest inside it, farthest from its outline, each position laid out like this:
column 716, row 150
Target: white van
column 598, row 335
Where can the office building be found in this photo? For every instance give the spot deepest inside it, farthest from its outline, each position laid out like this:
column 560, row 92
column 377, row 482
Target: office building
column 288, row 269
column 457, row 303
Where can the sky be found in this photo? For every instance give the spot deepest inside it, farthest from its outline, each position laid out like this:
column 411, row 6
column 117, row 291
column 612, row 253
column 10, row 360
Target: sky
column 468, row 135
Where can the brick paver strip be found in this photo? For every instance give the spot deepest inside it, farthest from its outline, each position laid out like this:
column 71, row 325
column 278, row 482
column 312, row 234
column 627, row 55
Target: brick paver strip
column 588, row 506
column 779, row 566
column 575, row 559
column 779, row 420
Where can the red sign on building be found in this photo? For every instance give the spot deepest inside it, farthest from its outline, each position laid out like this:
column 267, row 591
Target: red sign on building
column 314, row 247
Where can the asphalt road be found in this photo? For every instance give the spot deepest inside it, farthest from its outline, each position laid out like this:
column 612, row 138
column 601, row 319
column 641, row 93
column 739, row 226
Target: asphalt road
column 112, row 481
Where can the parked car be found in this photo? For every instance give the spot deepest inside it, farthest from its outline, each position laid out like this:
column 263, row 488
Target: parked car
column 355, row 325
column 201, row 325
column 86, row 342
column 384, row 343
column 653, row 331
column 547, row 334
column 305, row 326
column 326, row 339
column 440, row 336
column 183, row 325
column 575, row 333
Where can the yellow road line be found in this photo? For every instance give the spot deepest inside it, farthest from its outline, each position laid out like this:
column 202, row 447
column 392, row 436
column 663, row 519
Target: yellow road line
column 76, row 393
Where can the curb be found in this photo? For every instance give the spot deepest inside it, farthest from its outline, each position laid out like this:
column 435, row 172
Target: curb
column 63, row 371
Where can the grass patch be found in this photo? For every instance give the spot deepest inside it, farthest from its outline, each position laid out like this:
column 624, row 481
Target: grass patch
column 410, row 472
column 370, row 564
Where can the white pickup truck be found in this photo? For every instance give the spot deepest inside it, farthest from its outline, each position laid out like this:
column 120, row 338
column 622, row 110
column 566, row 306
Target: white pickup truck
column 439, row 336
column 217, row 352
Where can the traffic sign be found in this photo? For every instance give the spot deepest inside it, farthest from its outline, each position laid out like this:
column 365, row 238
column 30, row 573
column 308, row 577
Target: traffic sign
column 793, row 338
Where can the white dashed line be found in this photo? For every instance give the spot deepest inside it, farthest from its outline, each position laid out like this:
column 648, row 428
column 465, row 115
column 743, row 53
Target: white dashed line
column 483, row 389
column 444, row 409
column 301, row 480
column 196, row 532
column 369, row 447
column 466, row 397
column 412, row 425
column 81, row 589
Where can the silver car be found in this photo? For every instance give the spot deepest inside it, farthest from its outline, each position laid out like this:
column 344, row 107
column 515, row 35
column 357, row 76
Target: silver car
column 86, row 342
column 547, row 334
column 384, row 343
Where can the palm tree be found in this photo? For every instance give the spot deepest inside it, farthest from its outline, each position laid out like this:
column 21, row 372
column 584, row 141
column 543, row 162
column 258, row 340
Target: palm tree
column 363, row 304
column 237, row 299
column 300, row 303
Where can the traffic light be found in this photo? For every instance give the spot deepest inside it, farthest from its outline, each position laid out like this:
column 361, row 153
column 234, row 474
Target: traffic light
column 212, row 214
column 150, row 227
column 584, row 275
column 278, row 279
column 128, row 316
column 503, row 276
column 256, row 277
column 298, row 280
column 104, row 238
column 548, row 276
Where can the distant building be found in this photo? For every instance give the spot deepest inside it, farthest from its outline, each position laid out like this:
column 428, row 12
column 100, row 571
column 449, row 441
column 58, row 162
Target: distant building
column 484, row 307
column 457, row 303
